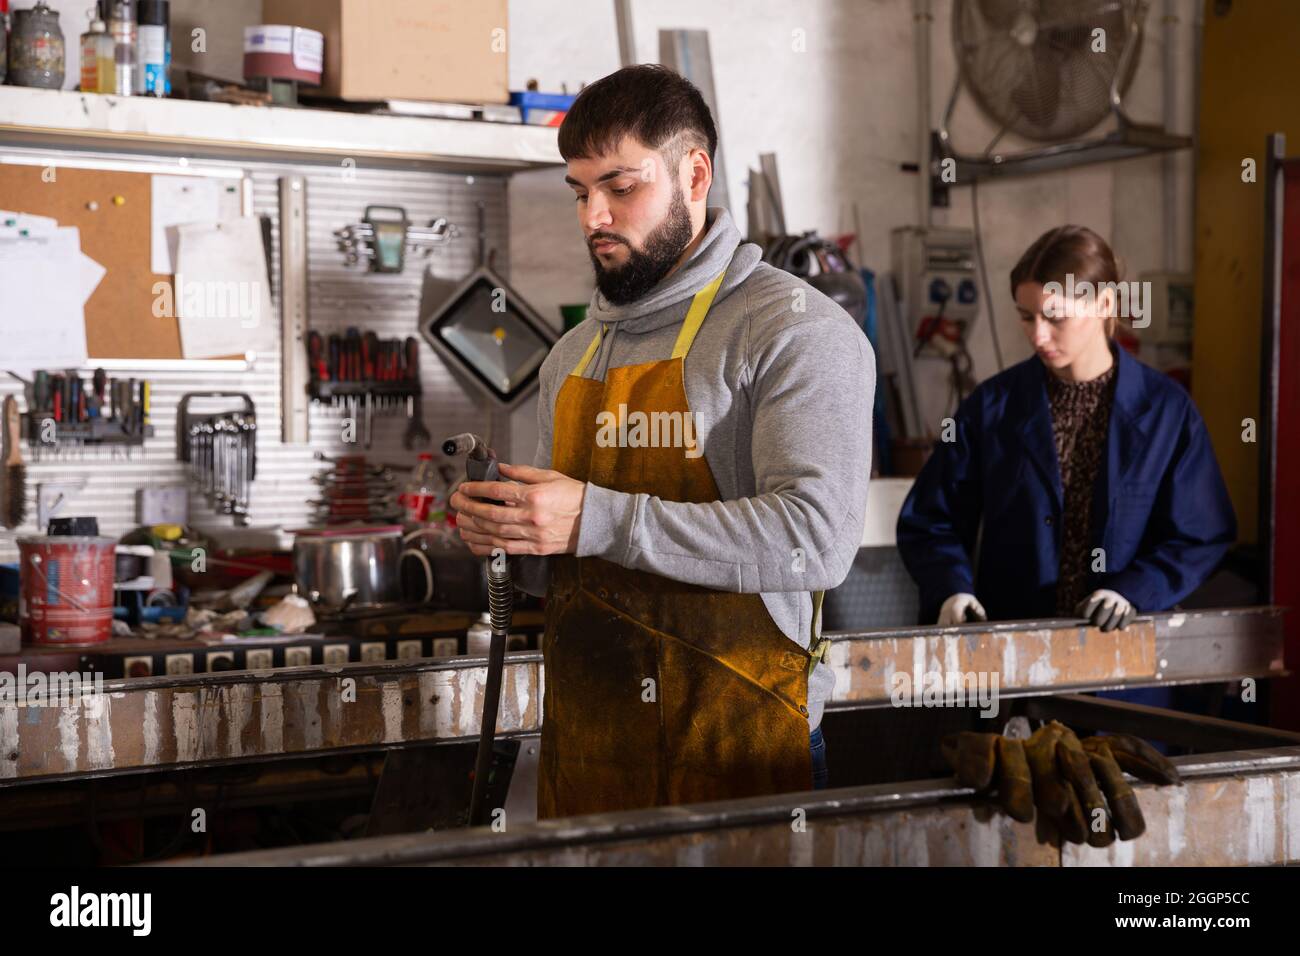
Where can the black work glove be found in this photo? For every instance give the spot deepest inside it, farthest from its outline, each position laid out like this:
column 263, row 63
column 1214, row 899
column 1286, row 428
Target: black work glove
column 1107, row 610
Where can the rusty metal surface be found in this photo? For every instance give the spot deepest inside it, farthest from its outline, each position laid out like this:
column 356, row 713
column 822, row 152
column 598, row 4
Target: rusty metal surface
column 200, row 719
column 1026, row 658
column 1234, row 809
column 1236, row 816
column 1052, row 656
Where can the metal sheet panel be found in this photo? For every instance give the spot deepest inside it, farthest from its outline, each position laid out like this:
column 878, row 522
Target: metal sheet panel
column 235, row 716
column 1233, row 809
column 338, row 297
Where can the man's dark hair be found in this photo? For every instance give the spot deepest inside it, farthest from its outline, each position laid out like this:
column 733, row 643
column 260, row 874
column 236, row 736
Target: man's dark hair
column 660, row 108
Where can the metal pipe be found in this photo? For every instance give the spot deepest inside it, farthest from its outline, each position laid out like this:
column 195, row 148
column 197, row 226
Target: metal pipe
column 626, row 37
column 922, row 18
column 1198, row 34
column 1169, row 164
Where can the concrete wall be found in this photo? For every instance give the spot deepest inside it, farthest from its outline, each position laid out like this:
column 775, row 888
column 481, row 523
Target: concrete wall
column 841, row 117
column 830, row 87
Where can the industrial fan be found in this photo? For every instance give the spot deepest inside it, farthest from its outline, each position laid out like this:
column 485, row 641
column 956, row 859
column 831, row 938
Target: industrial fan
column 1050, row 71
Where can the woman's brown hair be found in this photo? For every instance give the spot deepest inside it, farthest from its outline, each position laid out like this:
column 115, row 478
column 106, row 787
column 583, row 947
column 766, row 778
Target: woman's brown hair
column 1068, row 250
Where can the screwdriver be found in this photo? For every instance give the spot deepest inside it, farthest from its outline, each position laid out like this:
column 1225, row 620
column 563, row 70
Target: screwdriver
column 97, row 406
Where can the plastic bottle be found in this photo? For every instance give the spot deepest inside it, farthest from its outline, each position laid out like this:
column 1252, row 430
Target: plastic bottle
column 96, row 57
column 425, row 496
column 478, row 636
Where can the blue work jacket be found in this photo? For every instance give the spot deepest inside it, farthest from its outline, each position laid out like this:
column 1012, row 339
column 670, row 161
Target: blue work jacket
column 1160, row 511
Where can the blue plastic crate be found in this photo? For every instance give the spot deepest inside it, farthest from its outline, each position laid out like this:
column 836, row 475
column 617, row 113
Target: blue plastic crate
column 542, row 109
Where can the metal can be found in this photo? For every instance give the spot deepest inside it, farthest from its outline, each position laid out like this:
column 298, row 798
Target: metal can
column 36, row 48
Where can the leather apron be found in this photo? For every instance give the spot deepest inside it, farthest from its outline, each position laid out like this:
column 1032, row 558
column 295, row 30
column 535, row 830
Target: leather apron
column 658, row 692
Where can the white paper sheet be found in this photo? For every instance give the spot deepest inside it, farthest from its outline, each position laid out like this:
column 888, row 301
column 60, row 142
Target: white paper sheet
column 90, row 274
column 15, row 226
column 223, row 299
column 11, row 223
column 176, row 200
column 45, row 280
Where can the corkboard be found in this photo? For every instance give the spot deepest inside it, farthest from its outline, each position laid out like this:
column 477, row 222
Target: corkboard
column 120, row 320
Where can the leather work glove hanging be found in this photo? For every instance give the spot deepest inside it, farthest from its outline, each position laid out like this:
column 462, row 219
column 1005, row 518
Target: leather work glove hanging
column 1079, row 785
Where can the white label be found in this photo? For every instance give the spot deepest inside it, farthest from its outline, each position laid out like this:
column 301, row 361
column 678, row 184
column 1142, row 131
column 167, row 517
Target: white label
column 268, row 39
column 308, row 50
column 153, row 44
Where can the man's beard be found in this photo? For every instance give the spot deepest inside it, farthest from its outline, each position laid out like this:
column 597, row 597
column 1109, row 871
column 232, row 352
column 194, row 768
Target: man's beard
column 644, row 267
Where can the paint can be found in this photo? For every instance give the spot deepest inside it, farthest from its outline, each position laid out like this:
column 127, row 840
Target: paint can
column 65, row 597
column 281, row 52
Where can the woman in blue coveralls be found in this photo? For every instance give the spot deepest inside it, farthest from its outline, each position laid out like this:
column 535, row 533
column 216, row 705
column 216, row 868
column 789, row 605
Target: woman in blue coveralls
column 1078, row 483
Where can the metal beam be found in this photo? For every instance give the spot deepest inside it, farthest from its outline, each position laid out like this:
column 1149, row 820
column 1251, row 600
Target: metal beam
column 1055, row 656
column 1231, row 809
column 687, row 52
column 626, row 37
column 294, row 305
column 239, row 716
column 1195, row 731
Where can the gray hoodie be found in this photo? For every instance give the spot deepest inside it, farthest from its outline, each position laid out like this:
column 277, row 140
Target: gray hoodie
column 781, row 381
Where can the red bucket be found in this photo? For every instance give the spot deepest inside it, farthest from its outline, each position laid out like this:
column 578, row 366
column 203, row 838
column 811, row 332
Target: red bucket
column 66, row 596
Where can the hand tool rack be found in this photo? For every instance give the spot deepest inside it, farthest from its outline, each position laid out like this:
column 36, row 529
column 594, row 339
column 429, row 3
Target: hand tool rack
column 221, row 450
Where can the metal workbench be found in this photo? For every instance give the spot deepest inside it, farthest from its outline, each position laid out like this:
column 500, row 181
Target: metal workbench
column 164, row 723
column 1239, row 802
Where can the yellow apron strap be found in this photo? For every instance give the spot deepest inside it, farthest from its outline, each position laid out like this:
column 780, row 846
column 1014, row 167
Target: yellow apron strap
column 591, row 351
column 695, row 316
column 694, row 319
column 817, row 644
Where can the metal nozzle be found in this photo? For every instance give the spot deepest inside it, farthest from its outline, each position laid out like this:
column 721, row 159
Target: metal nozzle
column 466, row 443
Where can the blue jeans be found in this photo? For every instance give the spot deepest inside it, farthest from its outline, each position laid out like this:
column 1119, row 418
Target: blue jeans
column 820, row 774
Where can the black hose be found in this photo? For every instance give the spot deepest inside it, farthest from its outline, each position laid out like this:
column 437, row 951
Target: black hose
column 481, row 465
column 500, row 605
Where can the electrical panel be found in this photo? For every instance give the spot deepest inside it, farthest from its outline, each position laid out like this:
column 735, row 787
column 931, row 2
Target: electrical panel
column 937, row 287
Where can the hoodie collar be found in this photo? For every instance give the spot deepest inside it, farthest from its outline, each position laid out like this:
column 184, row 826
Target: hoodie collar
column 721, row 248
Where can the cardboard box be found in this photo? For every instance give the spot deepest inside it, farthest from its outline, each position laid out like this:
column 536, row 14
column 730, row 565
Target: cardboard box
column 450, row 50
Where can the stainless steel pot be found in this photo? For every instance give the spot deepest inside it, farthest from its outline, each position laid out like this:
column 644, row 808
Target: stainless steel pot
column 340, row 569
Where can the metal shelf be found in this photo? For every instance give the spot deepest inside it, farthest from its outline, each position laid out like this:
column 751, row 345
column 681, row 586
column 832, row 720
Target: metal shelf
column 1128, row 141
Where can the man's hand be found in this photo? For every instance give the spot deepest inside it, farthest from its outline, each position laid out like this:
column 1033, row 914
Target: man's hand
column 540, row 514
